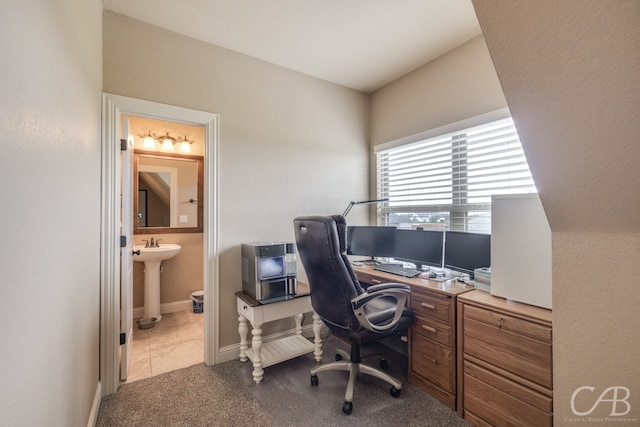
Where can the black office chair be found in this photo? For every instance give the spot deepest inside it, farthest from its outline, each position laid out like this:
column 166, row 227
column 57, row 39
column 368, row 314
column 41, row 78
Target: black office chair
column 352, row 314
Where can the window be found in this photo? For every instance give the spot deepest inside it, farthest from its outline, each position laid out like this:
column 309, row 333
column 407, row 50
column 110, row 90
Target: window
column 446, row 182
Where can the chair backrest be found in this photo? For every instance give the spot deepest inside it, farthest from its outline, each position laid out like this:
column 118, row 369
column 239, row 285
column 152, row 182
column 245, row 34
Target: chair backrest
column 333, row 284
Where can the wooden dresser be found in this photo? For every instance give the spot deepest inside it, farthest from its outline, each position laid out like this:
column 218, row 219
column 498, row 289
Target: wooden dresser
column 432, row 338
column 505, row 362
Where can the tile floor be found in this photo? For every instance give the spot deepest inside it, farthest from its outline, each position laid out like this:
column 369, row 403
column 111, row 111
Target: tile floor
column 177, row 341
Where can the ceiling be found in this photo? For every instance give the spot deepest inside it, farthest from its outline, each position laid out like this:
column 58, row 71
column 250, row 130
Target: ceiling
column 361, row 44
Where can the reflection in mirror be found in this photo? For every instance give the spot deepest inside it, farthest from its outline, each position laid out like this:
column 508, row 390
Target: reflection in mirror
column 157, row 206
column 167, row 193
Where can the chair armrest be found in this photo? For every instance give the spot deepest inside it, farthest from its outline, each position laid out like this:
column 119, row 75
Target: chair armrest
column 399, row 292
column 382, row 286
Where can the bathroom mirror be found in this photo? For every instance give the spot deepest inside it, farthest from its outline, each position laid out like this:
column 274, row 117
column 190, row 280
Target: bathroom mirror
column 167, row 193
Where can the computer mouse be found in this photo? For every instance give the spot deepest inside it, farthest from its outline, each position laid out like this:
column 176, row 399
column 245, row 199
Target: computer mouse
column 428, row 275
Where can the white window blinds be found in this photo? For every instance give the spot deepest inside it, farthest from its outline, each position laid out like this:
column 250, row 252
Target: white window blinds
column 447, row 181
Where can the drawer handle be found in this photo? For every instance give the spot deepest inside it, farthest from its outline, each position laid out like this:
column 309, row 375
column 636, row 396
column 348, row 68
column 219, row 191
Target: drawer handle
column 375, row 281
column 429, row 306
column 429, row 329
column 500, row 319
column 434, row 361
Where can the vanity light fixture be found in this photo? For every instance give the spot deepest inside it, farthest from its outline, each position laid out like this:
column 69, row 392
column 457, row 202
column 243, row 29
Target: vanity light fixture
column 166, row 141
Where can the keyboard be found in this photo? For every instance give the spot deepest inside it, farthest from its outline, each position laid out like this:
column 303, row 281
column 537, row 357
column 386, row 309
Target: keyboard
column 397, row 269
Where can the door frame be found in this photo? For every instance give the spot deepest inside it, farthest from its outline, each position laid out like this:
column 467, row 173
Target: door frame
column 126, row 252
column 113, row 106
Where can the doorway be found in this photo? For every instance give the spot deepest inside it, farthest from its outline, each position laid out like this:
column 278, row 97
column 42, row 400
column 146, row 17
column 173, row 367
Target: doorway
column 168, row 210
column 114, row 106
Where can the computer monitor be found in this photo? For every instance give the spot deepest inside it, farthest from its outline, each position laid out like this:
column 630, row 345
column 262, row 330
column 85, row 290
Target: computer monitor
column 421, row 247
column 465, row 252
column 371, row 241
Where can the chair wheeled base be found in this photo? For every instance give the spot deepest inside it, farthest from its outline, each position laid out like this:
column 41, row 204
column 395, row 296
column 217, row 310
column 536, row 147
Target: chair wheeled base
column 354, row 368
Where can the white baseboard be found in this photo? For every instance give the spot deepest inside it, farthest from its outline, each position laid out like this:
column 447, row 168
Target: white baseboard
column 232, row 352
column 95, row 406
column 228, row 353
column 170, row 307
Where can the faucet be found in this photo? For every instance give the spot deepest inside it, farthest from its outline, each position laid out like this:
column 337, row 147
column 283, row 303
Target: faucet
column 152, row 244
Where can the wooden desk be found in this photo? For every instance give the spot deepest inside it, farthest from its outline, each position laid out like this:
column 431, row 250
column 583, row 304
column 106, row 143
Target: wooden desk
column 266, row 354
column 432, row 338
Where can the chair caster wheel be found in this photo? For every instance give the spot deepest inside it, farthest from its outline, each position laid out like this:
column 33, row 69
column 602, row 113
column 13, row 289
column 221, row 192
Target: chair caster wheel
column 347, row 407
column 338, row 357
column 314, row 380
column 395, row 392
column 384, row 364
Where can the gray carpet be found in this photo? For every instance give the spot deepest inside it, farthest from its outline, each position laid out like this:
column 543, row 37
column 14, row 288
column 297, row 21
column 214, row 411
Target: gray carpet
column 225, row 395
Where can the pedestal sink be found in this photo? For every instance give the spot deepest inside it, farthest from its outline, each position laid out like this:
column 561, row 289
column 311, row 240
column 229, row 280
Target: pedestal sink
column 152, row 257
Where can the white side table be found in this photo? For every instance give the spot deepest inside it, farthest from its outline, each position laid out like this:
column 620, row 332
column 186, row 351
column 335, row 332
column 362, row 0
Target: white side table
column 266, row 354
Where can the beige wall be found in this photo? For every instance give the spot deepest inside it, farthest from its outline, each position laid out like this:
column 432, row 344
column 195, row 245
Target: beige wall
column 456, row 86
column 290, row 144
column 50, row 87
column 569, row 70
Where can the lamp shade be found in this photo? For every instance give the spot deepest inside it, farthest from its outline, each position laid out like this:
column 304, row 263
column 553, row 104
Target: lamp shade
column 185, row 147
column 149, row 142
column 167, row 144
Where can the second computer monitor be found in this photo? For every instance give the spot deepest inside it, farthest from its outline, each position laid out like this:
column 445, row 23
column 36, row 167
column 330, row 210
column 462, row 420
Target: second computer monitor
column 421, row 247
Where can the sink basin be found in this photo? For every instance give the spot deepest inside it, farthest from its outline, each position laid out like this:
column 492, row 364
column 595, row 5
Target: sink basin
column 165, row 251
column 152, row 258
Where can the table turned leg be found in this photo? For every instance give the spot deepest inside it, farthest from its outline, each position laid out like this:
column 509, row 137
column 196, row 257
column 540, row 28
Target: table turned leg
column 298, row 319
column 256, row 346
column 317, row 339
column 243, row 329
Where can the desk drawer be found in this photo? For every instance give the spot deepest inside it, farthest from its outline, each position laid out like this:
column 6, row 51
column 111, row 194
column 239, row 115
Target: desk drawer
column 431, row 305
column 520, row 354
column 433, row 361
column 499, row 401
column 434, row 330
column 509, row 323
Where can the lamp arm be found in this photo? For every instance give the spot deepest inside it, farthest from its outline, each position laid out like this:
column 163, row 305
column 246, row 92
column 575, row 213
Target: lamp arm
column 346, row 211
column 364, row 202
